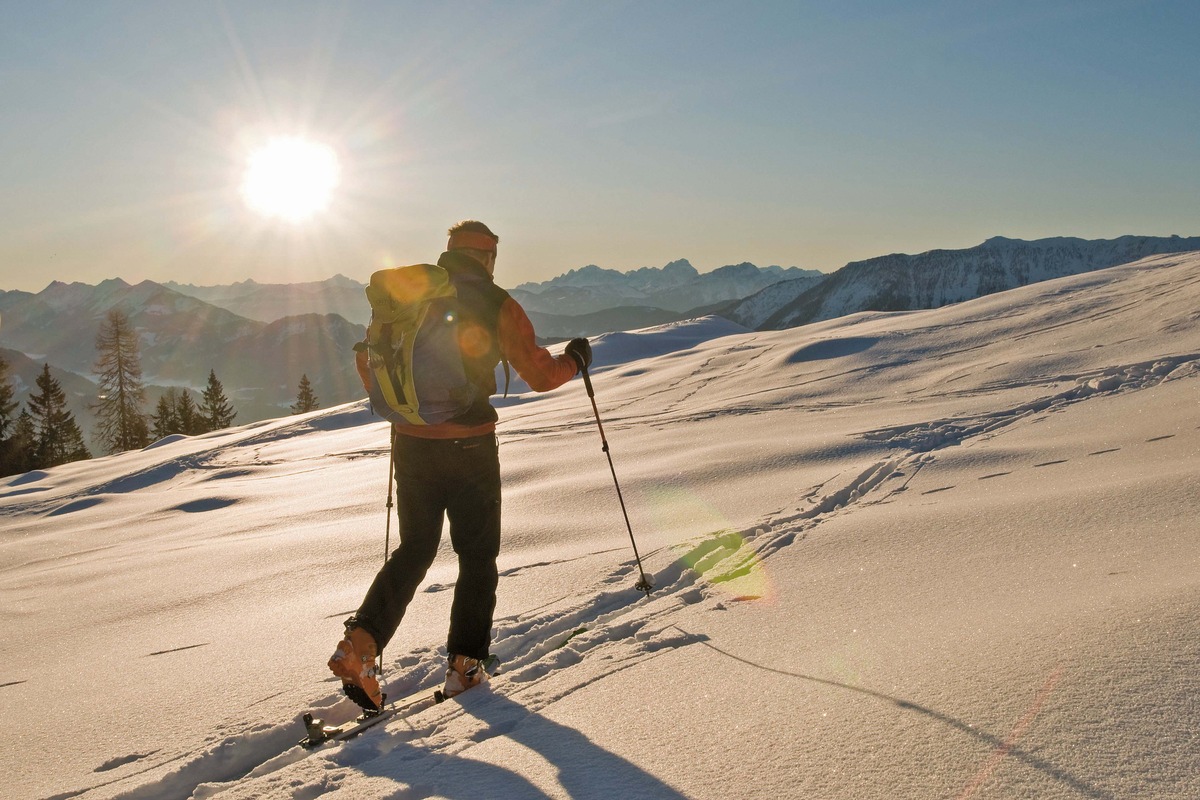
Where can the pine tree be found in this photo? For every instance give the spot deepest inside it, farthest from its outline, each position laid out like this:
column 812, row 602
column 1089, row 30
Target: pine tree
column 7, row 422
column 187, row 416
column 58, row 439
column 216, row 410
column 7, row 404
column 21, row 445
column 121, row 425
column 305, row 401
column 165, row 421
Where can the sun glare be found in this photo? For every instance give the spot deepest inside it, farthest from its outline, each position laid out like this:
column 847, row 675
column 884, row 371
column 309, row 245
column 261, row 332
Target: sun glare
column 290, row 178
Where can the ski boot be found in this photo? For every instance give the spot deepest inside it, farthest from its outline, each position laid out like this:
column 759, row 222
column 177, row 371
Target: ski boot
column 464, row 673
column 354, row 663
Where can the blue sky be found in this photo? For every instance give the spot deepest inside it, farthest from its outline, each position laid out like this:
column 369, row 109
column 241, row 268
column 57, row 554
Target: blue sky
column 621, row 134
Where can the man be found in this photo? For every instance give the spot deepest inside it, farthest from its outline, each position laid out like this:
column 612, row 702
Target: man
column 451, row 469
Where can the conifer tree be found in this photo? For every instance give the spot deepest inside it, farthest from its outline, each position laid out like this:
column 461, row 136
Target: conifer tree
column 7, row 404
column 7, row 422
column 165, row 421
column 215, row 408
column 187, row 416
column 58, row 439
column 305, row 401
column 21, row 445
column 121, row 424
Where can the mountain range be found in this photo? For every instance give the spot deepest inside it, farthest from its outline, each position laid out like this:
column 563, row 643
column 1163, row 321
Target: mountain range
column 260, row 338
column 267, row 302
column 182, row 338
column 940, row 277
column 676, row 287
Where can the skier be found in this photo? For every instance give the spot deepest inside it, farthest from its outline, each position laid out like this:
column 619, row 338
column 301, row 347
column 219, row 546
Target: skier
column 452, row 469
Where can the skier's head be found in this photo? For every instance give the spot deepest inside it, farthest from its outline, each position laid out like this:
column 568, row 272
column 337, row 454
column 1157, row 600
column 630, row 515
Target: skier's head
column 471, row 237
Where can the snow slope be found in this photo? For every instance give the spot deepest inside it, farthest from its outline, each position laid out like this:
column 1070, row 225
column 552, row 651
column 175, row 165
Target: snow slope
column 901, row 282
column 949, row 553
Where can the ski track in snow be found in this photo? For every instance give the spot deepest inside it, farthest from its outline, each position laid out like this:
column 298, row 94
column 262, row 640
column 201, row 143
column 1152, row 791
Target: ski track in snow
column 550, row 640
column 936, row 434
column 611, row 627
column 534, row 646
column 615, row 629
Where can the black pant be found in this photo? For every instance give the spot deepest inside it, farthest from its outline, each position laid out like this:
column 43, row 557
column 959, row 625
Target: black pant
column 436, row 478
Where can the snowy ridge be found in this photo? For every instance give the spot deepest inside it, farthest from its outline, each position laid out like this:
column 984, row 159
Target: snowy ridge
column 676, row 287
column 949, row 553
column 930, row 280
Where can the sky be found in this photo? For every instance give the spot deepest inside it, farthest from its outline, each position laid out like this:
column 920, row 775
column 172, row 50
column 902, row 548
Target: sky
column 626, row 135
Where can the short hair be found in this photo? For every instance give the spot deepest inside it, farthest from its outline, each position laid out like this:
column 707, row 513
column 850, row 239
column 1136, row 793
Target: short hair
column 473, row 226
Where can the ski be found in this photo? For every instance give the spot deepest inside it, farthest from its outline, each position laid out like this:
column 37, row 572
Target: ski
column 318, row 733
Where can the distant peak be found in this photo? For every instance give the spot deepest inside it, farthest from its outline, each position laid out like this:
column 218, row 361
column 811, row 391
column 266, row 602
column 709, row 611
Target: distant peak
column 681, row 266
column 592, row 269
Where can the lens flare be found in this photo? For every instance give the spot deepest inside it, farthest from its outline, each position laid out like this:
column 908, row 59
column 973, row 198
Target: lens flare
column 728, row 560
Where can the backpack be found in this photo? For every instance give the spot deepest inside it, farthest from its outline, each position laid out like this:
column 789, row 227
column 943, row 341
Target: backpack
column 414, row 371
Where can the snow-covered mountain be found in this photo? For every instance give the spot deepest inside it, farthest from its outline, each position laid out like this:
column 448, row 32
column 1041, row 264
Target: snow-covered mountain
column 182, row 338
column 556, row 327
column 581, row 302
column 678, row 286
column 934, row 279
column 755, row 310
column 949, row 553
column 267, row 302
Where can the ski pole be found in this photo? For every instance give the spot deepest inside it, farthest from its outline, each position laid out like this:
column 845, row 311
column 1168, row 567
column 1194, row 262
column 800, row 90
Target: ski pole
column 387, row 535
column 643, row 585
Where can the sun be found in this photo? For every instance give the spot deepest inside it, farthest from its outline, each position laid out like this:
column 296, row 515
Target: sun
column 290, row 178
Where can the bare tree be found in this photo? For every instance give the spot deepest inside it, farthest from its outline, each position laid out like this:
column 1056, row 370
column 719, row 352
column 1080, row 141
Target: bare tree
column 121, row 424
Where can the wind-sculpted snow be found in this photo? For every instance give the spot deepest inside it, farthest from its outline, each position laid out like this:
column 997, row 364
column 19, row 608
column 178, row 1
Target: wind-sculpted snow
column 923, row 437
column 948, row 553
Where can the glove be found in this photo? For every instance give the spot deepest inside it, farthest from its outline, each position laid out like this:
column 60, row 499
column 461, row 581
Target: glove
column 581, row 351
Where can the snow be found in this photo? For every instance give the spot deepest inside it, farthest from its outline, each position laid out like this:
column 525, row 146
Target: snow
column 948, row 553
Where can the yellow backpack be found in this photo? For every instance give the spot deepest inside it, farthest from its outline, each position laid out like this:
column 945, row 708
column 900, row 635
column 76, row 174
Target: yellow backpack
column 414, row 371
